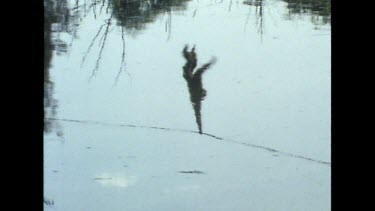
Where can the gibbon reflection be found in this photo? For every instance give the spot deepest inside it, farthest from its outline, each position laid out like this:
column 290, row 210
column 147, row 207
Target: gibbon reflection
column 194, row 81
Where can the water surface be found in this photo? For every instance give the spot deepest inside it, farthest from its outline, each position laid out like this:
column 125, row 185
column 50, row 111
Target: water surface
column 129, row 127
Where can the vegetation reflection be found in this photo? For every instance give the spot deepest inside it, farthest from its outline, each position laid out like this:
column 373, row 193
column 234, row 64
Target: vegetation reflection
column 318, row 10
column 57, row 19
column 133, row 16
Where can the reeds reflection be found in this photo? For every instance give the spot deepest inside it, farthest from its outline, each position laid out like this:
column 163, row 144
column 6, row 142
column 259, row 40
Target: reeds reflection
column 259, row 14
column 194, row 81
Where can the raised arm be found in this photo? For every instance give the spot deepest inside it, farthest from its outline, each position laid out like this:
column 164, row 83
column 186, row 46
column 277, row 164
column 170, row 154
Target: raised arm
column 204, row 67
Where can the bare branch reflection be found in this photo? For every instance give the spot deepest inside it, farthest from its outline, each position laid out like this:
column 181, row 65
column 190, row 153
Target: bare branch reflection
column 123, row 57
column 259, row 16
column 194, row 81
column 102, row 47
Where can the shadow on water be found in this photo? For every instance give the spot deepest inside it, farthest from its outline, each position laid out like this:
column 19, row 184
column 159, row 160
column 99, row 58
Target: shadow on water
column 193, row 78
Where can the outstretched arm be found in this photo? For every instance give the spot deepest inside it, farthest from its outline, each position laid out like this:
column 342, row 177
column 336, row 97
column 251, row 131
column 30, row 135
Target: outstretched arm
column 202, row 69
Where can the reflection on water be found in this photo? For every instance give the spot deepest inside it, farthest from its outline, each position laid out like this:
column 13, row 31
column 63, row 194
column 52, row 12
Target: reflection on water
column 134, row 15
column 318, row 10
column 131, row 16
column 277, row 92
column 259, row 17
column 115, row 179
column 194, row 80
column 60, row 18
column 50, row 104
column 56, row 20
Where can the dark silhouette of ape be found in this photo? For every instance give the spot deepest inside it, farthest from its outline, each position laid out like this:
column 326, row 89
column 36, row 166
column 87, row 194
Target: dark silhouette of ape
column 194, row 81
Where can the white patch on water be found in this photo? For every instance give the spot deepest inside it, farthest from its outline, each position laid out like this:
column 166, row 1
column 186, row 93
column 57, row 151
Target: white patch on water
column 113, row 179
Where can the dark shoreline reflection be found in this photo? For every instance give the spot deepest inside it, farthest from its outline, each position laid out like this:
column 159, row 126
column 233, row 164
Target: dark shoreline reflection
column 56, row 19
column 194, row 82
column 318, row 10
column 134, row 15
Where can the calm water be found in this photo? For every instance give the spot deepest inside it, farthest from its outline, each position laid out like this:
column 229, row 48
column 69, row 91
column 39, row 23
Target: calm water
column 187, row 105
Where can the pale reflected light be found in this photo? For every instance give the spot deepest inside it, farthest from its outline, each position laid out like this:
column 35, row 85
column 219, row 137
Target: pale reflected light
column 115, row 179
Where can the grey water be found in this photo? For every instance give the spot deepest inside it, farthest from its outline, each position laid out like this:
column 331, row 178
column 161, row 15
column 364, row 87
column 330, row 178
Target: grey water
column 187, row 105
